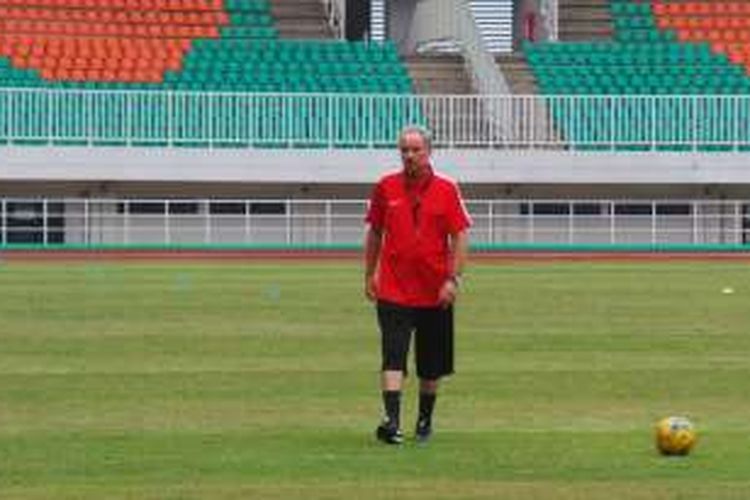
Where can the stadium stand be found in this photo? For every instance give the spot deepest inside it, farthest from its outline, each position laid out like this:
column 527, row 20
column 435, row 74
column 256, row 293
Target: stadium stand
column 206, row 46
column 271, row 116
column 659, row 48
column 181, row 44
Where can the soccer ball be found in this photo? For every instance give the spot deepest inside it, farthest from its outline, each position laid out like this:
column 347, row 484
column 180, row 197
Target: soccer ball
column 675, row 436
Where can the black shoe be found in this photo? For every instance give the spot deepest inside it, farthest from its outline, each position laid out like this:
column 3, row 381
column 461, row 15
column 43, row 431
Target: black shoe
column 423, row 431
column 389, row 434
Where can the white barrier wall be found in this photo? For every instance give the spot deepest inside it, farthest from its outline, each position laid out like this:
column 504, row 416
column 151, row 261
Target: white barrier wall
column 340, row 222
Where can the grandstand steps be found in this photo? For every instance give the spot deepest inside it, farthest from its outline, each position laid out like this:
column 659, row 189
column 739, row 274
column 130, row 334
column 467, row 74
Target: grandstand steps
column 444, row 74
column 301, row 19
column 585, row 20
column 517, row 73
column 438, row 74
column 522, row 81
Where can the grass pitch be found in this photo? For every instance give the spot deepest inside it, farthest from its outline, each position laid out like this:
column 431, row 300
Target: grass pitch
column 236, row 381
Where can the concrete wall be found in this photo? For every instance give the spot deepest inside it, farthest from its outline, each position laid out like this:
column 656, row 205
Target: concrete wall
column 412, row 23
column 103, row 166
column 418, row 25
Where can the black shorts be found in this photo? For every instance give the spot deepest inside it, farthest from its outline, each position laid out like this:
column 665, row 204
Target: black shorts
column 433, row 338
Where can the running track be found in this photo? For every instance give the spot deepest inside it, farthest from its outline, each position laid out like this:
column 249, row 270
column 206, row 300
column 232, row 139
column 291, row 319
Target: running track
column 233, row 256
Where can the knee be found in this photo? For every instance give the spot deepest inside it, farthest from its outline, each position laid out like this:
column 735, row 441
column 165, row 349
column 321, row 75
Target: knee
column 428, row 385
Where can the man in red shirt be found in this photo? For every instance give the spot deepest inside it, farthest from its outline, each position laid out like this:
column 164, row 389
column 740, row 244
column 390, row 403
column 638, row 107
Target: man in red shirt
column 415, row 250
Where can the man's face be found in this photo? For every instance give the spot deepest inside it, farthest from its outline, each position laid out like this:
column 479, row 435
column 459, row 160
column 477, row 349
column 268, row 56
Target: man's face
column 415, row 155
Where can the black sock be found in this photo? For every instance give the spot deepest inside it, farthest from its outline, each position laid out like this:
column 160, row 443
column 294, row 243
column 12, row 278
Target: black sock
column 392, row 405
column 426, row 405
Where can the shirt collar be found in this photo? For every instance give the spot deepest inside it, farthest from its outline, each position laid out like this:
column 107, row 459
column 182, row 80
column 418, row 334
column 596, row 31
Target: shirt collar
column 420, row 183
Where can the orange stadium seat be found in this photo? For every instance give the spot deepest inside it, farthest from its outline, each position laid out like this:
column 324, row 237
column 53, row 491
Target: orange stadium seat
column 720, row 23
column 189, row 45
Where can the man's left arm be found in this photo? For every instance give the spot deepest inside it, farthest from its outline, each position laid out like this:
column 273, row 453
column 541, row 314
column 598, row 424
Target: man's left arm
column 459, row 250
column 459, row 222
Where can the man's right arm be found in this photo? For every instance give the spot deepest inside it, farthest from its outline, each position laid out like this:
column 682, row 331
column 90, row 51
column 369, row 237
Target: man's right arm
column 373, row 241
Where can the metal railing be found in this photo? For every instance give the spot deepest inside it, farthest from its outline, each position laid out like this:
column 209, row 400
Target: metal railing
column 237, row 120
column 47, row 222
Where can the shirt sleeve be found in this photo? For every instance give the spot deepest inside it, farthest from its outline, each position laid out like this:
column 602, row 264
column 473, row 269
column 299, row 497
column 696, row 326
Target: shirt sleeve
column 376, row 208
column 458, row 217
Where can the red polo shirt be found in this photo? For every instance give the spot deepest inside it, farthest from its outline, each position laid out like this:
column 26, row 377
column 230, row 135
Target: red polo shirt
column 415, row 219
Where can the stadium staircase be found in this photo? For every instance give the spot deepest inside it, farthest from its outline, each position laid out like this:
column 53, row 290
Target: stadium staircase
column 438, row 74
column 581, row 20
column 518, row 74
column 301, row 19
column 698, row 48
column 445, row 74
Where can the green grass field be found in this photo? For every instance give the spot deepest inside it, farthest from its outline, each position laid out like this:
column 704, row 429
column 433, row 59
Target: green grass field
column 203, row 381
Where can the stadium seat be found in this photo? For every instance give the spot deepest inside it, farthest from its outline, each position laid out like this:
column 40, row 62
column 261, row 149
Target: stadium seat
column 659, row 48
column 204, row 46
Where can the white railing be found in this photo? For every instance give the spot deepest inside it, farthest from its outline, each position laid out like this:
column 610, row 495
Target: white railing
column 494, row 20
column 377, row 20
column 290, row 222
column 237, row 120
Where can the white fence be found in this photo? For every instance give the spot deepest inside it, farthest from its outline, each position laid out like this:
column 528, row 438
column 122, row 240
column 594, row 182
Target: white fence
column 326, row 223
column 236, row 120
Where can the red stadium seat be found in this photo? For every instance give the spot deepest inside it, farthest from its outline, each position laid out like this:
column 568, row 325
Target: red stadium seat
column 105, row 40
column 721, row 23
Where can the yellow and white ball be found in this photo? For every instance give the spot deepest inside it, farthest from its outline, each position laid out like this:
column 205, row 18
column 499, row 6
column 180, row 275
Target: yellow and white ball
column 675, row 436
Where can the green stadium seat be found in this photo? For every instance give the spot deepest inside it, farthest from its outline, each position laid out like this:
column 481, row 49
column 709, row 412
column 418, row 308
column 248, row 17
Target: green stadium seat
column 642, row 60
